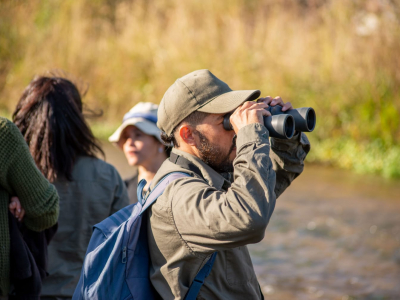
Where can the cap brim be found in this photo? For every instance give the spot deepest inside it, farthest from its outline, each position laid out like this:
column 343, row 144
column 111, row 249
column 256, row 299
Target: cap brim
column 146, row 126
column 229, row 101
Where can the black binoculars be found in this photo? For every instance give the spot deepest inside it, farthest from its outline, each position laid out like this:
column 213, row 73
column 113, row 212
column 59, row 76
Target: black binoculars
column 283, row 124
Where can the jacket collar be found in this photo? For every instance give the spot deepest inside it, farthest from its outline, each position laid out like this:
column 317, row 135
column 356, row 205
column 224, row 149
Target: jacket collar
column 212, row 177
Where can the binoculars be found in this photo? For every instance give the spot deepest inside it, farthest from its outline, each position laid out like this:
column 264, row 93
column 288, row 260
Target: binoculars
column 283, row 124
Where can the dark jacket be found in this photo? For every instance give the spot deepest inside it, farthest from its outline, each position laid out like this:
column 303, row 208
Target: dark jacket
column 28, row 259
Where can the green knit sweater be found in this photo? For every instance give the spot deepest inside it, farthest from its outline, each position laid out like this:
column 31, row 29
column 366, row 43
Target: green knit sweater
column 20, row 177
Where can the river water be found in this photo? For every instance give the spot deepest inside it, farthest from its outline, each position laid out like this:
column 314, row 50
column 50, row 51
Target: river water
column 334, row 235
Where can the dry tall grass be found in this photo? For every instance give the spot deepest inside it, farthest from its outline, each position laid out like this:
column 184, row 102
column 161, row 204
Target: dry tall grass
column 341, row 57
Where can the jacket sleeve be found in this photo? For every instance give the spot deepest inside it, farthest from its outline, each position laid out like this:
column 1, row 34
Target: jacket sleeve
column 208, row 219
column 288, row 157
column 121, row 198
column 38, row 197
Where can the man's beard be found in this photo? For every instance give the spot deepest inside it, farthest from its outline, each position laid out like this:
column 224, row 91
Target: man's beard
column 213, row 155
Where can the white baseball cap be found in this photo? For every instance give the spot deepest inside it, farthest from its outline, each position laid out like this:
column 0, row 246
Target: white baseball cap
column 144, row 116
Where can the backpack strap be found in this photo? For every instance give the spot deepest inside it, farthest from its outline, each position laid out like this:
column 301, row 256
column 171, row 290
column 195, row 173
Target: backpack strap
column 151, row 198
column 158, row 189
column 206, row 270
column 199, row 279
column 139, row 191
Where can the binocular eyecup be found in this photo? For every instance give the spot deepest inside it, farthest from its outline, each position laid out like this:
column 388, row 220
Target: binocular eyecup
column 283, row 124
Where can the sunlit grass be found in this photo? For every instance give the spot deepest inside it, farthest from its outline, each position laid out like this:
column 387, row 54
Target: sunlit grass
column 340, row 57
column 374, row 157
column 102, row 130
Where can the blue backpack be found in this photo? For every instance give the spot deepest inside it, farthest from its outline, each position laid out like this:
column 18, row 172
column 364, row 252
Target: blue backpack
column 117, row 260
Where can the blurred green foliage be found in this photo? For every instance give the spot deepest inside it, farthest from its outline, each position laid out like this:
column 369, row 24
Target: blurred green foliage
column 341, row 57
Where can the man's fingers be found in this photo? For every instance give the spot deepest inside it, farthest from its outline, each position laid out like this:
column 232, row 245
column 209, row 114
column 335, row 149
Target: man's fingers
column 244, row 105
column 277, row 101
column 266, row 100
column 251, row 105
column 265, row 113
column 248, row 113
column 259, row 105
column 287, row 106
column 260, row 109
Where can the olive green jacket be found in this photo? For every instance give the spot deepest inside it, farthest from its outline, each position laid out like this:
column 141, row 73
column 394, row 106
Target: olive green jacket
column 204, row 213
column 20, row 177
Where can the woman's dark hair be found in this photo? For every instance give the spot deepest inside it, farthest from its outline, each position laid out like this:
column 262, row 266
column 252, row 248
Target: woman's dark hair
column 49, row 116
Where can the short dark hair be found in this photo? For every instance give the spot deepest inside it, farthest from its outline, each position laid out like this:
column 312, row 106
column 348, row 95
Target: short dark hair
column 193, row 119
column 49, row 116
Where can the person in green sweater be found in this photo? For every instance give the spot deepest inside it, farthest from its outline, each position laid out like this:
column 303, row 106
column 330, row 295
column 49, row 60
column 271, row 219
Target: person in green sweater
column 20, row 177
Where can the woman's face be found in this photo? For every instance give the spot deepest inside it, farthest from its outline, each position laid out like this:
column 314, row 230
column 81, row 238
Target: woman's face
column 139, row 148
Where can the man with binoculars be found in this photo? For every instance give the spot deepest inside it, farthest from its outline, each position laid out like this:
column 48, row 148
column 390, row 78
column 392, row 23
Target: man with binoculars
column 235, row 177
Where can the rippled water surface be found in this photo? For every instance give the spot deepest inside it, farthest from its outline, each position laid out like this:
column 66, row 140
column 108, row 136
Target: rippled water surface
column 333, row 235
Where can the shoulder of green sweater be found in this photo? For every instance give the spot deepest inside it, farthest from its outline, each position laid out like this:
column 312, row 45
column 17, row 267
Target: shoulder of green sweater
column 4, row 121
column 21, row 177
column 6, row 125
column 9, row 133
column 11, row 142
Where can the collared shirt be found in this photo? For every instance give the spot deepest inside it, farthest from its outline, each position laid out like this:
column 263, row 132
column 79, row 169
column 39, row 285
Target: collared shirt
column 204, row 213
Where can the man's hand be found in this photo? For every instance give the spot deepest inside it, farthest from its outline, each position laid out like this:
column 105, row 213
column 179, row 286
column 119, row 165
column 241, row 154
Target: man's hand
column 16, row 208
column 276, row 101
column 253, row 112
column 248, row 113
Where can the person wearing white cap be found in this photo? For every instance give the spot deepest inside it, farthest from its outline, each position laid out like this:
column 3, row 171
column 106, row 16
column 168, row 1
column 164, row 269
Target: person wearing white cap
column 140, row 140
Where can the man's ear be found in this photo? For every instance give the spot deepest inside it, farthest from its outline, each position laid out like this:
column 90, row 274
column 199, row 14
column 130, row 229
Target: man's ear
column 186, row 135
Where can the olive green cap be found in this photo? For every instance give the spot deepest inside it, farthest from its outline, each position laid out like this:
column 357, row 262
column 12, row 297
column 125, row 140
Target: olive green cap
column 202, row 91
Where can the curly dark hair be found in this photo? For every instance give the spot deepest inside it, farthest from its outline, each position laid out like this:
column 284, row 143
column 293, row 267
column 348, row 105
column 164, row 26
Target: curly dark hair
column 49, row 116
column 193, row 119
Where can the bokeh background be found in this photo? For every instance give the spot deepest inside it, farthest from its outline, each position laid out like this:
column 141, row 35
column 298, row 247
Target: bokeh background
column 342, row 57
column 335, row 234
